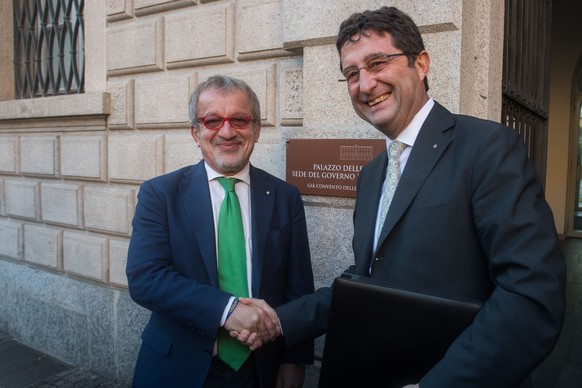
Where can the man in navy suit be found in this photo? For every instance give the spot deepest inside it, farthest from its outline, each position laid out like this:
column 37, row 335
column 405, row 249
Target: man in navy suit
column 467, row 219
column 172, row 258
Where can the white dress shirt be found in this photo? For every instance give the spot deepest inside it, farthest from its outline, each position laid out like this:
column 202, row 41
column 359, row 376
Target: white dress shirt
column 407, row 136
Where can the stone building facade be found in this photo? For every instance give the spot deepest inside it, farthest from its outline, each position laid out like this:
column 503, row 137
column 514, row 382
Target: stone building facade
column 71, row 166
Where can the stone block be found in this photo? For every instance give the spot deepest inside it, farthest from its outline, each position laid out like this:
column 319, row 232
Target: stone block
column 117, row 262
column 52, row 313
column 290, row 81
column 162, row 102
column 135, row 158
column 61, row 203
column 270, row 156
column 2, row 199
column 122, row 105
column 43, row 245
column 189, row 41
column 73, row 105
column 444, row 77
column 119, row 10
column 316, row 22
column 38, row 155
column 101, row 326
column 8, row 154
column 259, row 26
column 85, row 323
column 131, row 320
column 305, row 21
column 83, row 157
column 11, row 239
column 135, row 47
column 180, row 151
column 64, row 330
column 140, row 4
column 332, row 253
column 109, row 209
column 86, row 255
column 22, row 198
column 145, row 7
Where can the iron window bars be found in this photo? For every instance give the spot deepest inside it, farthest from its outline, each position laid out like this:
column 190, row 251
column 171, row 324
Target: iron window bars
column 49, row 47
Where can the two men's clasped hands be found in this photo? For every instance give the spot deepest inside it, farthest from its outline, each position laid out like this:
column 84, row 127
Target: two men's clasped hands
column 253, row 322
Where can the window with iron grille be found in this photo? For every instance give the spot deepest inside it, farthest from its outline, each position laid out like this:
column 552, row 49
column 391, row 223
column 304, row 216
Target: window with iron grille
column 49, row 47
column 526, row 74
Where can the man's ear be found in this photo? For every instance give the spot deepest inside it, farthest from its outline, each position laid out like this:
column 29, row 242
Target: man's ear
column 422, row 64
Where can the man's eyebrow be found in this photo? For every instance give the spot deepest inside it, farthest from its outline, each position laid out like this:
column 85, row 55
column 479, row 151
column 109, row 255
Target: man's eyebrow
column 374, row 56
column 366, row 59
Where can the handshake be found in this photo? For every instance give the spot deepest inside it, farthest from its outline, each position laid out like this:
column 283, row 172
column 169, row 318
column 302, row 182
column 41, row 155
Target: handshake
column 253, row 322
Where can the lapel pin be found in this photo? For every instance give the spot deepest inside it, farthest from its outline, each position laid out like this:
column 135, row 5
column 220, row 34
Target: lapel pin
column 267, row 192
column 434, row 146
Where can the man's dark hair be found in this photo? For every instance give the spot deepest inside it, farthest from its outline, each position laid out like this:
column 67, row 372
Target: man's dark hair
column 386, row 20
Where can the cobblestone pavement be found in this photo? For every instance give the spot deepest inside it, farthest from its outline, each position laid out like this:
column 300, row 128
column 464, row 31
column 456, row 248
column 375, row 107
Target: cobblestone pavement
column 22, row 366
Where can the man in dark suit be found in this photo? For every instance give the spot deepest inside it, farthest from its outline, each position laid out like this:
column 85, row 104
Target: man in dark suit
column 467, row 218
column 172, row 265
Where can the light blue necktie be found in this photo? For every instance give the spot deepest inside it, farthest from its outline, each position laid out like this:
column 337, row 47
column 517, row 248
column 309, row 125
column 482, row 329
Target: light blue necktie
column 391, row 181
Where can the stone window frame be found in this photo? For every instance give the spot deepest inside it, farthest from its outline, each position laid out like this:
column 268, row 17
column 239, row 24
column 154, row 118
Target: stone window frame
column 94, row 102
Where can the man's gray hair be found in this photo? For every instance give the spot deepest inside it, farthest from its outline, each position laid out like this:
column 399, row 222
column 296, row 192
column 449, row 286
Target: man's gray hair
column 224, row 84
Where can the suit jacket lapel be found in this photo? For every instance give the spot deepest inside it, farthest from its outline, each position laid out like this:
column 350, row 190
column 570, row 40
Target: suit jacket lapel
column 195, row 197
column 369, row 192
column 262, row 205
column 432, row 141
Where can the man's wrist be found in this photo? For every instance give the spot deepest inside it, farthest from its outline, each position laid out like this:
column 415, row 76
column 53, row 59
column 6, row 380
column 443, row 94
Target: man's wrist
column 231, row 309
column 228, row 309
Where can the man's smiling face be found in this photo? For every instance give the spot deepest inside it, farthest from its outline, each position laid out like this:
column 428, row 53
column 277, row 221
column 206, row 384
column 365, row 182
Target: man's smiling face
column 227, row 150
column 389, row 99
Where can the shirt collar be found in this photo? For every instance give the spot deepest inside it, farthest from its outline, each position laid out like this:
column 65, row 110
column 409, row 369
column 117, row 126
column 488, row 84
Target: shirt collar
column 410, row 133
column 243, row 175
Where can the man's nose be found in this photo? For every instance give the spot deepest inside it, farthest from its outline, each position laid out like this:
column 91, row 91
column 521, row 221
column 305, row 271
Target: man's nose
column 367, row 81
column 227, row 131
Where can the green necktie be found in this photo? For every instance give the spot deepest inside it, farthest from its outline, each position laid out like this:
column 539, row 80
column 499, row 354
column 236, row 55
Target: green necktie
column 232, row 268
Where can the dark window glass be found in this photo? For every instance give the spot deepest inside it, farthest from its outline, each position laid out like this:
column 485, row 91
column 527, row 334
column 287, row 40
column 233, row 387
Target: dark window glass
column 49, row 47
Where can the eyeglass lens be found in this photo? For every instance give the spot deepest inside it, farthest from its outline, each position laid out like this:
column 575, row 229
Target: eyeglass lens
column 216, row 122
column 373, row 66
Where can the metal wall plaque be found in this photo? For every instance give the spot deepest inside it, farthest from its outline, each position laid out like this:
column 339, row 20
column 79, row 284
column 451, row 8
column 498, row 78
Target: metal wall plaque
column 329, row 166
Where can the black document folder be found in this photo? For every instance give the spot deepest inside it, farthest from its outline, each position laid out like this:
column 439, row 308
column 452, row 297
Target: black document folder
column 384, row 336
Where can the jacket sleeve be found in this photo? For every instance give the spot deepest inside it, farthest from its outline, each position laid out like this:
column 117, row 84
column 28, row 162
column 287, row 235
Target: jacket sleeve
column 305, row 317
column 519, row 324
column 155, row 280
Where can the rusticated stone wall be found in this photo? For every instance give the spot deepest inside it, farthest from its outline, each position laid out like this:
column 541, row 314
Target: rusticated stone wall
column 70, row 166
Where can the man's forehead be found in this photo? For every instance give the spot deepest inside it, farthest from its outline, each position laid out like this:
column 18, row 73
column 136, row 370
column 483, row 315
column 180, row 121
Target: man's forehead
column 367, row 35
column 224, row 93
column 370, row 34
